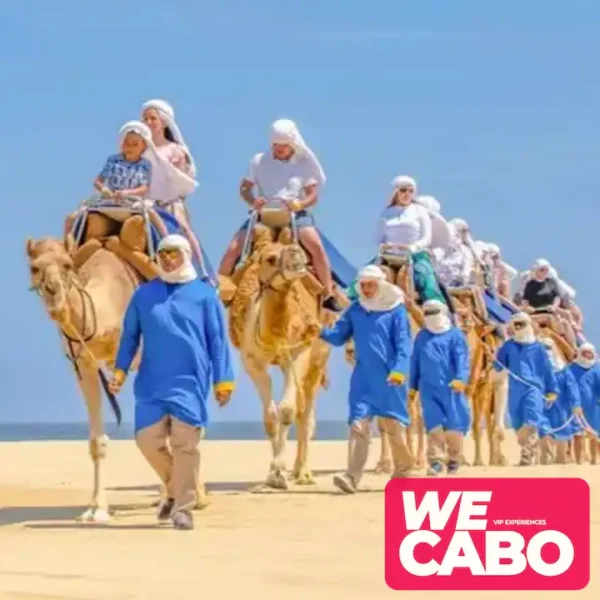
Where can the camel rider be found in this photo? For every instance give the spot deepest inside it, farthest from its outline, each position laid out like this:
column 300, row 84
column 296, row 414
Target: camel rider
column 553, row 432
column 439, row 372
column 378, row 323
column 586, row 370
column 455, row 264
column 289, row 176
column 173, row 166
column 404, row 226
column 542, row 295
column 179, row 320
column 531, row 382
column 499, row 273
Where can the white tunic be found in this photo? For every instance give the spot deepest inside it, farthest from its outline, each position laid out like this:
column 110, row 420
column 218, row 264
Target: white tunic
column 279, row 180
column 408, row 226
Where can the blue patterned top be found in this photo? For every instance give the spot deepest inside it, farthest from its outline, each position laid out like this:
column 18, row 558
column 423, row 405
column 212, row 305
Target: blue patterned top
column 120, row 174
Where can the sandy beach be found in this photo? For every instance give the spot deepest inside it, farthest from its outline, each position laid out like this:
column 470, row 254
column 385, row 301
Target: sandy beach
column 310, row 542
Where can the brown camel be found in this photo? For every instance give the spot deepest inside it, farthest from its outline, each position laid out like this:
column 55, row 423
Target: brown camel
column 86, row 291
column 274, row 319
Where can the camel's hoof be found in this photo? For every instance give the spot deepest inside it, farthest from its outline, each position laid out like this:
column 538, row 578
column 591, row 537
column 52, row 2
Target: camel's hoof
column 94, row 515
column 478, row 462
column 202, row 503
column 383, row 467
column 277, row 480
column 156, row 503
column 304, row 478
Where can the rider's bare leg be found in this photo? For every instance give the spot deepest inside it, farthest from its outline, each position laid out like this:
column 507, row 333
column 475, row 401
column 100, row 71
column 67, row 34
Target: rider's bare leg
column 309, row 238
column 157, row 221
column 232, row 254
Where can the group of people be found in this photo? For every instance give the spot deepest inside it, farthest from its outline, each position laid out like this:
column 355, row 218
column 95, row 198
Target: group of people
column 186, row 353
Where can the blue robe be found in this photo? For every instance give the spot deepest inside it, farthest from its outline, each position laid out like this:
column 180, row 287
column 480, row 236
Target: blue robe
column 532, row 366
column 438, row 359
column 588, row 381
column 557, row 413
column 185, row 345
column 382, row 346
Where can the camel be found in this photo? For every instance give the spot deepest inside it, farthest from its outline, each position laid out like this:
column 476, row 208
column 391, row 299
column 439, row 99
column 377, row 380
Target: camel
column 274, row 320
column 86, row 291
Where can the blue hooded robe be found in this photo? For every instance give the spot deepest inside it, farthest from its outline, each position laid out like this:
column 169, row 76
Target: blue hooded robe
column 185, row 345
column 588, row 380
column 557, row 413
column 382, row 346
column 530, row 363
column 438, row 359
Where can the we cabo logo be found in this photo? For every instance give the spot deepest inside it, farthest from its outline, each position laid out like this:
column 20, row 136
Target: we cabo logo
column 487, row 534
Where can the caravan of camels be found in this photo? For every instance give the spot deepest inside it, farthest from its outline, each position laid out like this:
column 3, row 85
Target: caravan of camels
column 442, row 336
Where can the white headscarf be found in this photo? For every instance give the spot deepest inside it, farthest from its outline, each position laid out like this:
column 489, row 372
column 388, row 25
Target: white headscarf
column 136, row 127
column 526, row 335
column 430, row 203
column 186, row 272
column 586, row 363
column 167, row 114
column 285, row 131
column 556, row 358
column 439, row 321
column 388, row 295
column 401, row 181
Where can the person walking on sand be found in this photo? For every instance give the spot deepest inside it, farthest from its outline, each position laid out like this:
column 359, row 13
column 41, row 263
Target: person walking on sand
column 378, row 322
column 180, row 320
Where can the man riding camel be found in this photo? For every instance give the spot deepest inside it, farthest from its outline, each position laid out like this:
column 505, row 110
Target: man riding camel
column 287, row 176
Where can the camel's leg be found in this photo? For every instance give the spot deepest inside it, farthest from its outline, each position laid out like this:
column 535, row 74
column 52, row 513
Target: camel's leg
column 385, row 464
column 294, row 376
column 500, row 400
column 416, row 427
column 478, row 406
column 305, row 420
column 98, row 441
column 258, row 372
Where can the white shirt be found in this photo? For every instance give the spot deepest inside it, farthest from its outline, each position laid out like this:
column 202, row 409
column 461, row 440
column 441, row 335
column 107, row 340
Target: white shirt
column 279, row 180
column 455, row 267
column 408, row 226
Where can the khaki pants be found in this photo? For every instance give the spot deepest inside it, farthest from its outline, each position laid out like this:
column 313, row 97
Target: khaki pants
column 547, row 447
column 444, row 444
column 171, row 448
column 527, row 438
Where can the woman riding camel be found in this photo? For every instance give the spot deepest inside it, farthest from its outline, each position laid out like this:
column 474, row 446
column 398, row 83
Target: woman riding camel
column 404, row 226
column 174, row 169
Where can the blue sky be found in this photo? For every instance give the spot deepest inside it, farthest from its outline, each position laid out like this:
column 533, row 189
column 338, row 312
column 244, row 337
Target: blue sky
column 493, row 107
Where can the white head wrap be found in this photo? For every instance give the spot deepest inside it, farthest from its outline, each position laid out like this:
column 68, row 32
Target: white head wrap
column 167, row 114
column 586, row 363
column 285, row 131
column 493, row 249
column 186, row 272
column 388, row 295
column 440, row 321
column 136, row 127
column 526, row 335
column 554, row 354
column 401, row 181
column 541, row 263
column 460, row 225
column 430, row 203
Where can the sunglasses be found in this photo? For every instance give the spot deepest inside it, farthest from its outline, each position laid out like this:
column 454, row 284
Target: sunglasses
column 520, row 325
column 405, row 189
column 432, row 313
column 169, row 253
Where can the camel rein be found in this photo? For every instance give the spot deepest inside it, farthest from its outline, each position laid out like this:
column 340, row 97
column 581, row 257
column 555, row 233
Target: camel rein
column 69, row 282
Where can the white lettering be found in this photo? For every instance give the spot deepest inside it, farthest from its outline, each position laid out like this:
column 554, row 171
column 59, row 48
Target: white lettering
column 469, row 509
column 565, row 557
column 414, row 516
column 461, row 542
column 407, row 553
column 494, row 553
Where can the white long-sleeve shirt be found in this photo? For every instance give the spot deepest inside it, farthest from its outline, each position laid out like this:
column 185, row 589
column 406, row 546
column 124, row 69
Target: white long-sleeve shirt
column 409, row 226
column 456, row 268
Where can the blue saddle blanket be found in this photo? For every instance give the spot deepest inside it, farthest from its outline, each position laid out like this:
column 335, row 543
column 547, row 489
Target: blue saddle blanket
column 498, row 310
column 172, row 227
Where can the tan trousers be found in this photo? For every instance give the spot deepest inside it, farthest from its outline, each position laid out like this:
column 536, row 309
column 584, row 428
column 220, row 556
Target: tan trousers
column 547, row 447
column 527, row 438
column 171, row 448
column 442, row 444
column 402, row 457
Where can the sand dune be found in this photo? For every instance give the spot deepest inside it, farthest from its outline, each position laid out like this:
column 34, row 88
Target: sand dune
column 306, row 543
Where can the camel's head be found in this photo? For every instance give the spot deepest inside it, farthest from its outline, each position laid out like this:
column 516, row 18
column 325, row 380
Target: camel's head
column 282, row 264
column 51, row 268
